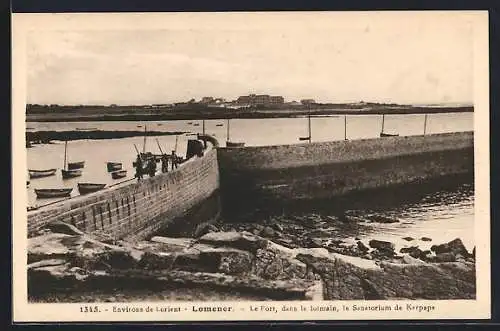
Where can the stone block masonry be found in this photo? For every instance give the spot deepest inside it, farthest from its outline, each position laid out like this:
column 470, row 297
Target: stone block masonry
column 139, row 209
column 251, row 178
column 256, row 177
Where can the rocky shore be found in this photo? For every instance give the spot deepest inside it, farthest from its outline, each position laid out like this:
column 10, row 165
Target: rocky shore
column 340, row 235
column 264, row 263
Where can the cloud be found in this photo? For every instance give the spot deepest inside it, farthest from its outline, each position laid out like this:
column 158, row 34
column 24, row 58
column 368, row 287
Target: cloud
column 374, row 59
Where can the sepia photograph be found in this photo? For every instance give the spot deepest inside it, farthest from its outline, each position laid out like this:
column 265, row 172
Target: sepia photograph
column 308, row 162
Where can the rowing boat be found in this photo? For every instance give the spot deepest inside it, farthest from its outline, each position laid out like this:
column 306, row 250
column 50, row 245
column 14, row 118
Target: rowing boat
column 53, row 193
column 234, row 144
column 76, row 165
column 383, row 134
column 113, row 166
column 41, row 173
column 66, row 174
column 119, row 174
column 85, row 188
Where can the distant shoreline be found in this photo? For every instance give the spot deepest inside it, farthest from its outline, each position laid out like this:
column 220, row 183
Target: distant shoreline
column 99, row 114
column 45, row 137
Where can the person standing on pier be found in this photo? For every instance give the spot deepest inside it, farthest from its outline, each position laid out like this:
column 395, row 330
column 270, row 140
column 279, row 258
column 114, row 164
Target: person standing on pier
column 152, row 167
column 138, row 168
column 174, row 160
column 164, row 163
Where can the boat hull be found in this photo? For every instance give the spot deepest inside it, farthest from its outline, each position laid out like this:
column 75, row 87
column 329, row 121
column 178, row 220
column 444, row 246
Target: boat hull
column 66, row 174
column 114, row 166
column 41, row 173
column 85, row 188
column 382, row 134
column 119, row 174
column 76, row 165
column 234, row 144
column 53, row 193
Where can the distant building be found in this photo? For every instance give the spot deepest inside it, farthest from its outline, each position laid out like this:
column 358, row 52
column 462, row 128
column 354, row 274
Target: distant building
column 307, row 101
column 260, row 99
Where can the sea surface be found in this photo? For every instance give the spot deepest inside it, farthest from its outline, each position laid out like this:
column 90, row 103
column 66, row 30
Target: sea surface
column 445, row 215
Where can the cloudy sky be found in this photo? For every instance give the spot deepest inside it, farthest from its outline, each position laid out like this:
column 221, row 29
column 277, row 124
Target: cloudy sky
column 391, row 58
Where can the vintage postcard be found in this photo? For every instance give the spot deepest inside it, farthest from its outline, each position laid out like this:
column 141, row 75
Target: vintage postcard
column 251, row 166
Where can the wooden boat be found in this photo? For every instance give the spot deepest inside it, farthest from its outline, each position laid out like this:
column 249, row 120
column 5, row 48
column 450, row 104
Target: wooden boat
column 190, row 123
column 85, row 188
column 382, row 133
column 196, row 124
column 234, row 144
column 308, row 138
column 230, row 143
column 53, row 192
column 113, row 166
column 67, row 174
column 66, row 171
column 76, row 165
column 119, row 174
column 220, row 124
column 41, row 173
column 27, row 183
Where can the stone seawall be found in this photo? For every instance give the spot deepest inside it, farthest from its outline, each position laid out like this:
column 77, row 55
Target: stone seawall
column 257, row 176
column 139, row 209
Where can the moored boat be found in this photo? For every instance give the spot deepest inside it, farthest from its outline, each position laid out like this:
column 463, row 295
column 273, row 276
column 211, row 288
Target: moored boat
column 230, row 143
column 66, row 174
column 53, row 192
column 76, row 165
column 119, row 174
column 41, row 173
column 220, row 124
column 113, row 166
column 234, row 144
column 85, row 188
column 383, row 134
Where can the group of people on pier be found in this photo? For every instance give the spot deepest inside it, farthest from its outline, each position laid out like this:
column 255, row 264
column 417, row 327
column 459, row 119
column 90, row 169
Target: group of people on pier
column 148, row 165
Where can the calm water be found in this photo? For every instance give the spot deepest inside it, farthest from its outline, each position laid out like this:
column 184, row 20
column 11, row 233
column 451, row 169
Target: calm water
column 442, row 216
column 447, row 218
